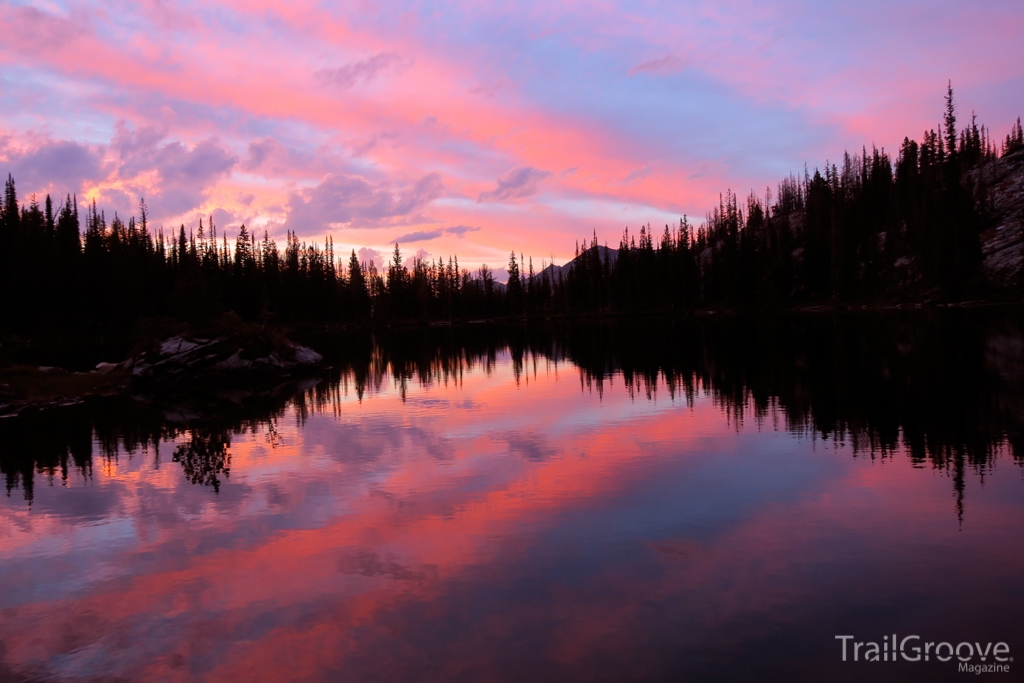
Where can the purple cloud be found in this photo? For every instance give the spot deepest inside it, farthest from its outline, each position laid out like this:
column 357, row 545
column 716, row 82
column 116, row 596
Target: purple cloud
column 461, row 230
column 222, row 218
column 419, row 236
column 520, row 182
column 136, row 147
column 186, row 173
column 203, row 162
column 365, row 71
column 60, row 165
column 342, row 199
column 661, row 65
column 271, row 158
column 424, row 235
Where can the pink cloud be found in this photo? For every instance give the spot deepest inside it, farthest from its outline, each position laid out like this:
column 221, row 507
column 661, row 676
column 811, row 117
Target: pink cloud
column 420, row 255
column 368, row 256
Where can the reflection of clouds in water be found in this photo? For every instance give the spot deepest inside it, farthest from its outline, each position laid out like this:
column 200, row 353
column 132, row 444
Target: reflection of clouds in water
column 498, row 582
column 276, row 496
column 360, row 445
column 531, row 445
column 370, row 564
column 83, row 503
column 461, row 529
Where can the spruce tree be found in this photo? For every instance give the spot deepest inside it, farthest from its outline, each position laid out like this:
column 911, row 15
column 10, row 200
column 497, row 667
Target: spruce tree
column 514, row 288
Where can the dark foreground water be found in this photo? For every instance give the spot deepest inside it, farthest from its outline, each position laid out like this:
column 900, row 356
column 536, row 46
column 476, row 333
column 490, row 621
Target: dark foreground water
column 652, row 500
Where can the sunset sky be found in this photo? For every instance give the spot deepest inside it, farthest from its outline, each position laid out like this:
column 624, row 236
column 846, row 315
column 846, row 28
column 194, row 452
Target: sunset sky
column 462, row 127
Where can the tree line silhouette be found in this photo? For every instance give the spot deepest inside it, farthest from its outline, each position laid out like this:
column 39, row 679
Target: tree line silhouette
column 871, row 228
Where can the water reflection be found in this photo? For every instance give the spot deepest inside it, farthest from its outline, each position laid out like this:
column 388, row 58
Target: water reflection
column 701, row 500
column 946, row 386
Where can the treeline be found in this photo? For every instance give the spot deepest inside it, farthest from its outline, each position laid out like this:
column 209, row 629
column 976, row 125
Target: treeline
column 71, row 266
column 872, row 228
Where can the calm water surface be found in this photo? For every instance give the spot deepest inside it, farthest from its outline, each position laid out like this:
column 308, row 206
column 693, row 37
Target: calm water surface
column 718, row 504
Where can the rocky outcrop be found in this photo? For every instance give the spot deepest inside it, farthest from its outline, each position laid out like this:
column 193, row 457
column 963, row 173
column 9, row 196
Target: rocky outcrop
column 1003, row 244
column 195, row 358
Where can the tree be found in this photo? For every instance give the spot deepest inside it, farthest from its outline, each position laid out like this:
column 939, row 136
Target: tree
column 949, row 120
column 515, row 285
column 1015, row 140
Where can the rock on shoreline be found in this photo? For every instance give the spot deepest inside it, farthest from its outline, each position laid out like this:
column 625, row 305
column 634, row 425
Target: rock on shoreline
column 197, row 358
column 192, row 364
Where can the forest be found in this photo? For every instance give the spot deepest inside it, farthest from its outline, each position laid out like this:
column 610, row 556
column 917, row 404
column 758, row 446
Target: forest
column 870, row 229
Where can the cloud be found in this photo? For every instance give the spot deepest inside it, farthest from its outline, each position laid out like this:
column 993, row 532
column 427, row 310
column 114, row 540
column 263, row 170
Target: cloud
column 140, row 150
column 520, row 182
column 346, row 199
column 185, row 172
column 347, row 76
column 362, row 148
column 30, row 30
column 222, row 217
column 269, row 157
column 368, row 256
column 419, row 236
column 664, row 64
column 177, row 163
column 420, row 255
column 424, row 235
column 136, row 147
column 58, row 165
column 499, row 85
column 461, row 230
column 637, row 174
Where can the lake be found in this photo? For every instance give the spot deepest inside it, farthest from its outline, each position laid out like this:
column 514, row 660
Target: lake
column 712, row 498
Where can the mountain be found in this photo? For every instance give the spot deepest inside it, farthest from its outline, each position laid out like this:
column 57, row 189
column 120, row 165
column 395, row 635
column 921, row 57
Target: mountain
column 553, row 271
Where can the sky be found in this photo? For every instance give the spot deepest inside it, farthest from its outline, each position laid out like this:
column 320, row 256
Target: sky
column 474, row 128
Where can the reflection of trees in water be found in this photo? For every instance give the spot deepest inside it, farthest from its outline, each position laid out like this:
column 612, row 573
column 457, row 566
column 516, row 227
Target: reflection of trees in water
column 51, row 445
column 28, row 443
column 205, row 456
column 945, row 387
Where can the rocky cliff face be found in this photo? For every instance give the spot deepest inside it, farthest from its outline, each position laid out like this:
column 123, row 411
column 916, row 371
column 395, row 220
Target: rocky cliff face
column 1003, row 244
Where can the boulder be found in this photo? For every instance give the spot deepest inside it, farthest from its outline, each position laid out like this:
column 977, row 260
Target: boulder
column 307, row 356
column 184, row 358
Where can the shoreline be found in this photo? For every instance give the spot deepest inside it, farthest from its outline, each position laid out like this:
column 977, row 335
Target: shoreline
column 187, row 365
